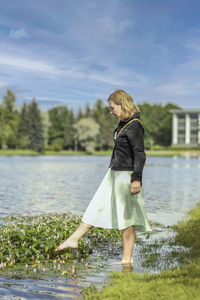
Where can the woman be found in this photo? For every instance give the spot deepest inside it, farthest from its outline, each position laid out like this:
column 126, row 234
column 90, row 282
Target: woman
column 118, row 202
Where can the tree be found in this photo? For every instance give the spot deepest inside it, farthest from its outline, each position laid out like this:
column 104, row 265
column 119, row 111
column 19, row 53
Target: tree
column 107, row 123
column 80, row 115
column 23, row 141
column 86, row 133
column 69, row 134
column 59, row 118
column 164, row 136
column 9, row 119
column 148, row 123
column 9, row 100
column 1, row 127
column 157, row 121
column 35, row 127
column 46, row 125
column 87, row 110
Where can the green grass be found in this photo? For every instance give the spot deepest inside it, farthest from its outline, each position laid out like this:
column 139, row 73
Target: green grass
column 18, row 152
column 34, row 153
column 50, row 152
column 174, row 152
column 168, row 285
column 155, row 152
column 180, row 283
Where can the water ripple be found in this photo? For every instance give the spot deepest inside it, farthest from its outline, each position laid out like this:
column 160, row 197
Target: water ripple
column 57, row 184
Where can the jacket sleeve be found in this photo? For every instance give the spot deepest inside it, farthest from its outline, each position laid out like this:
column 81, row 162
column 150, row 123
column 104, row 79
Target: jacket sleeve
column 115, row 131
column 135, row 135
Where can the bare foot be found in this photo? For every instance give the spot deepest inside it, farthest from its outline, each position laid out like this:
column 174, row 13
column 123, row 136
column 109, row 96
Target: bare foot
column 67, row 244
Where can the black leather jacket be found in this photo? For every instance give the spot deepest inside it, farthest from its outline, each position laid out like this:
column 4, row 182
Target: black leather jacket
column 128, row 153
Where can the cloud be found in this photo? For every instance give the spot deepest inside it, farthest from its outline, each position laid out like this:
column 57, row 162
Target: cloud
column 18, row 34
column 173, row 89
column 53, row 99
column 59, row 50
column 47, row 103
column 32, row 65
column 2, row 84
column 104, row 73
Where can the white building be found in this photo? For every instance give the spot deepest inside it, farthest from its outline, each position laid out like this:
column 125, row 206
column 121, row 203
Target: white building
column 186, row 127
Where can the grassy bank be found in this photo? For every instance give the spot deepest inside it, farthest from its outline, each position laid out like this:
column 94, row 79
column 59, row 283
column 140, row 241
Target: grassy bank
column 156, row 152
column 180, row 283
column 50, row 152
column 34, row 153
column 182, row 153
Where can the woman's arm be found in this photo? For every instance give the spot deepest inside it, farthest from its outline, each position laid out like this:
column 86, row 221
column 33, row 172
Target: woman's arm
column 135, row 135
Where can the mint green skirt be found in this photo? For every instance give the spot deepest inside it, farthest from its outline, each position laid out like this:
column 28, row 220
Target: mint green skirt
column 113, row 206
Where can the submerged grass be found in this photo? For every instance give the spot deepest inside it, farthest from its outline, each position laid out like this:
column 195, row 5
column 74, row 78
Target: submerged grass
column 27, row 244
column 181, row 282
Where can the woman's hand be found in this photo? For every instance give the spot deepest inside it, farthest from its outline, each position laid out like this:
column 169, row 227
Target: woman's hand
column 135, row 187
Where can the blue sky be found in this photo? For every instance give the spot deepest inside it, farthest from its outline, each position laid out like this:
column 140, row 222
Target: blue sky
column 72, row 52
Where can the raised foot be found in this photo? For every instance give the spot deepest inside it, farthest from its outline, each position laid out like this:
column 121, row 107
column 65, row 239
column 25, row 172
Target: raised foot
column 66, row 245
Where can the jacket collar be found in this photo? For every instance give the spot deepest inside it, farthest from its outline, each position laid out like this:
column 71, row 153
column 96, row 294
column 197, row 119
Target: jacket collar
column 134, row 116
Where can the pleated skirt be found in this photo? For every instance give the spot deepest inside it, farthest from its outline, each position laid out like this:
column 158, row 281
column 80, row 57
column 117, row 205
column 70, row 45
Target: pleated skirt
column 113, row 206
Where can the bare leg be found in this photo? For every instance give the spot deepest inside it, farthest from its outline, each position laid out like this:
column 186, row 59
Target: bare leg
column 72, row 241
column 128, row 244
column 128, row 235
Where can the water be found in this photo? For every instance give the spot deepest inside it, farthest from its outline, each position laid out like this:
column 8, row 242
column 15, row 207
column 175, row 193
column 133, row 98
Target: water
column 49, row 184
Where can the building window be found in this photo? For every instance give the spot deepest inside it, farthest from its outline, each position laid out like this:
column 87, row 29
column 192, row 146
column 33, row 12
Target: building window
column 181, row 128
column 193, row 128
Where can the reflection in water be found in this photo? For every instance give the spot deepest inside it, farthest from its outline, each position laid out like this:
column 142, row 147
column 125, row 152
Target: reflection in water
column 49, row 184
column 32, row 185
column 45, row 288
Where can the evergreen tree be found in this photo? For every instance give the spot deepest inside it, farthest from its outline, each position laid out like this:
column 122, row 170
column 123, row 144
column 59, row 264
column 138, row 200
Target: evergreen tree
column 87, row 110
column 59, row 118
column 107, row 123
column 23, row 141
column 9, row 100
column 9, row 119
column 35, row 127
column 80, row 115
column 69, row 136
column 2, row 127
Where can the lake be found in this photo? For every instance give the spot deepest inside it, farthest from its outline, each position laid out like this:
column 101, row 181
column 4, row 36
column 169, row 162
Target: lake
column 56, row 184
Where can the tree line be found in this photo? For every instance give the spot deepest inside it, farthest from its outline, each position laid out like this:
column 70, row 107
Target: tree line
column 60, row 129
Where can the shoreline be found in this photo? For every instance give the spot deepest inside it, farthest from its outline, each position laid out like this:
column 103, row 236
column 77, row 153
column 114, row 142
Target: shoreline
column 179, row 282
column 174, row 282
column 175, row 152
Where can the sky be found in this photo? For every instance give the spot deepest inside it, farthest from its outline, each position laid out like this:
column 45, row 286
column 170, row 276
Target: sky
column 73, row 52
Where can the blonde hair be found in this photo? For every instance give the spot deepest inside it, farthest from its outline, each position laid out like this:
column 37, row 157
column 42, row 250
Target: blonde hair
column 126, row 101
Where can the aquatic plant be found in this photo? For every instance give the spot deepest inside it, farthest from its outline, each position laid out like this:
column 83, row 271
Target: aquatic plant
column 27, row 244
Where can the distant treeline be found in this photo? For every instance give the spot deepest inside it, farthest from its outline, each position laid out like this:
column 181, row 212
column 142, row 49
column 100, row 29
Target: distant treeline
column 59, row 129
